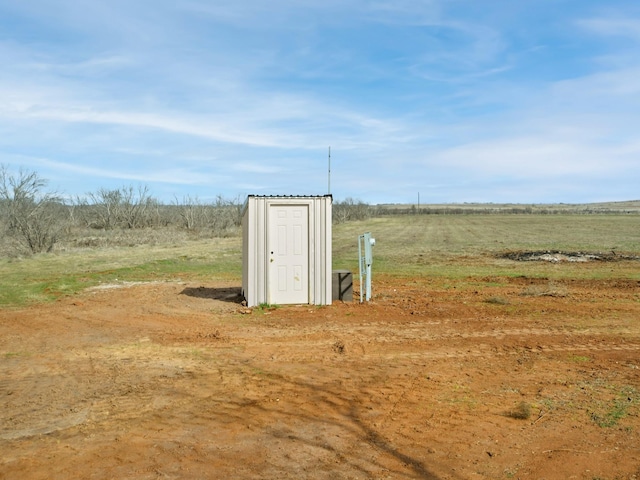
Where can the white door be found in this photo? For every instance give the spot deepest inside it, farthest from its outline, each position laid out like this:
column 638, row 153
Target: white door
column 288, row 245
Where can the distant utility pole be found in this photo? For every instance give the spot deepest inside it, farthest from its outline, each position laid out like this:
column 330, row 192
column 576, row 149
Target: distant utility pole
column 329, row 176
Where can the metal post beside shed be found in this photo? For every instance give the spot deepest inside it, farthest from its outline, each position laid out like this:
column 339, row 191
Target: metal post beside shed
column 365, row 251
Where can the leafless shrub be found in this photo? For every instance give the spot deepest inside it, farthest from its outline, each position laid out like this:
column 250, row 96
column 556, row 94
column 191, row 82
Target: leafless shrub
column 222, row 217
column 137, row 207
column 227, row 215
column 193, row 214
column 125, row 207
column 350, row 209
column 36, row 217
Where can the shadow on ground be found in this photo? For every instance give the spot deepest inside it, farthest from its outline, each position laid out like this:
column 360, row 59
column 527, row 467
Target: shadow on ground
column 224, row 294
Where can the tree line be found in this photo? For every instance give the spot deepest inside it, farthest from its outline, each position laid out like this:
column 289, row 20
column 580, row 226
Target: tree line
column 36, row 218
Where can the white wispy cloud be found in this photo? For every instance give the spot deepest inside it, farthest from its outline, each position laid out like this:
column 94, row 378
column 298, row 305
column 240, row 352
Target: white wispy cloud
column 613, row 26
column 125, row 174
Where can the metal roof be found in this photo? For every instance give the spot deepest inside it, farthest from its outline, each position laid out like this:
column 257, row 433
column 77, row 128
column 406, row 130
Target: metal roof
column 290, row 196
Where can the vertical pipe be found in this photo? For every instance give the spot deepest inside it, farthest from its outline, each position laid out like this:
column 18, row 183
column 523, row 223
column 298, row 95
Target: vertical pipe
column 368, row 256
column 366, row 260
column 368, row 282
column 329, row 174
column 360, row 264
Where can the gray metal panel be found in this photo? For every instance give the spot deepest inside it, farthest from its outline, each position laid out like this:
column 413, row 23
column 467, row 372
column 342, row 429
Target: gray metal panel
column 245, row 251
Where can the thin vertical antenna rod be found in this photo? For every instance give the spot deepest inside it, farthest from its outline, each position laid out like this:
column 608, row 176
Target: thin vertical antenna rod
column 329, row 176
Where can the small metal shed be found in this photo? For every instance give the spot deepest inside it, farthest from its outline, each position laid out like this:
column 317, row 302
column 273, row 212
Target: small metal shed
column 286, row 250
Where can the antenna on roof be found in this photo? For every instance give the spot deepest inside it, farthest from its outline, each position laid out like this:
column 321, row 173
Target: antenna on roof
column 329, row 174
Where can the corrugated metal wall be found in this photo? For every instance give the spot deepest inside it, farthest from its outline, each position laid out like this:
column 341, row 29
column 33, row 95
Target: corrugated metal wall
column 255, row 244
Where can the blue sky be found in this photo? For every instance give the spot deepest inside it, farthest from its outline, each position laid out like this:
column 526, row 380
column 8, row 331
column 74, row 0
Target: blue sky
column 531, row 101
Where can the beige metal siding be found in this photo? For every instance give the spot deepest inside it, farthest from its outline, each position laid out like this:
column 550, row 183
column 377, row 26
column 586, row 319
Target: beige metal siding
column 255, row 255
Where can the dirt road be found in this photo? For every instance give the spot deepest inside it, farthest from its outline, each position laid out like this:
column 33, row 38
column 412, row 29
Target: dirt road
column 435, row 379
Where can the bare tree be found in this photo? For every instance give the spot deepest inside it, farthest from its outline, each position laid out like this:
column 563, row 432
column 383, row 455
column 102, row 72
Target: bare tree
column 125, row 207
column 227, row 214
column 220, row 216
column 35, row 216
column 194, row 215
column 105, row 208
column 136, row 207
column 350, row 209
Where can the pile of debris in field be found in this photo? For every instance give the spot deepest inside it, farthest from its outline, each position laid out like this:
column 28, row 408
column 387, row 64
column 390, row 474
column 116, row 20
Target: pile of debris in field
column 557, row 256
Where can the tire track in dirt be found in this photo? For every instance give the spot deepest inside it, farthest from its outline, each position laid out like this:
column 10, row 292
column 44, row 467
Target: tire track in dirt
column 503, row 333
column 487, row 353
column 366, row 344
column 388, row 344
column 382, row 332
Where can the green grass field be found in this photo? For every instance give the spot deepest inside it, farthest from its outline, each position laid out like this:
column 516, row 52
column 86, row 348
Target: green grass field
column 45, row 277
column 467, row 245
column 422, row 245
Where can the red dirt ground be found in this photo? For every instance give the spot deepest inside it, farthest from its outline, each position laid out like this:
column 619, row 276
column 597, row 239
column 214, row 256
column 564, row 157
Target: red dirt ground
column 434, row 379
